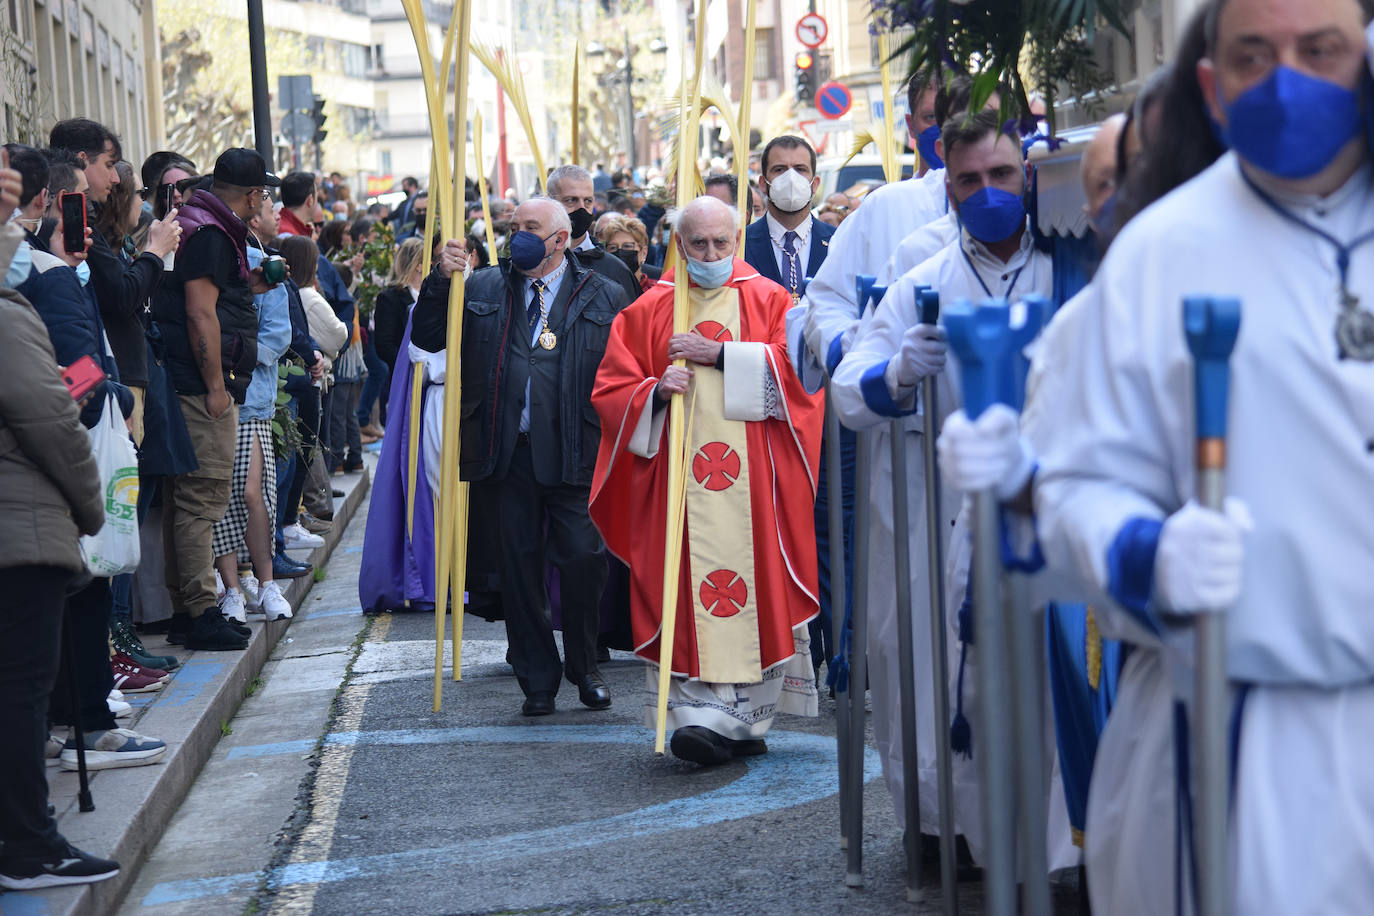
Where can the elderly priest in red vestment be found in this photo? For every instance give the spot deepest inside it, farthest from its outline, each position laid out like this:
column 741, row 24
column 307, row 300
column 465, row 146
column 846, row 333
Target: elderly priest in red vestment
column 748, row 568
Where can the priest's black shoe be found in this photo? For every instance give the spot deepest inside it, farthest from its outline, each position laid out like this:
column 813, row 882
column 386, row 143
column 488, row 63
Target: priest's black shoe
column 700, row 745
column 592, row 691
column 747, row 747
column 537, row 704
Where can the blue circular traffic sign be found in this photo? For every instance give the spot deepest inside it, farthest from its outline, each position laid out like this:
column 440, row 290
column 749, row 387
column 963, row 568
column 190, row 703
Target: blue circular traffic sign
column 833, row 100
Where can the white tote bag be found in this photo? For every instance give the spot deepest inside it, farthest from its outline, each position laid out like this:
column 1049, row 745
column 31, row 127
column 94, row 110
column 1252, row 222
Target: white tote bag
column 114, row 549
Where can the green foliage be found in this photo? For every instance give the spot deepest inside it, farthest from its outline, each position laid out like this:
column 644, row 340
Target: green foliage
column 286, row 435
column 1043, row 46
column 377, row 255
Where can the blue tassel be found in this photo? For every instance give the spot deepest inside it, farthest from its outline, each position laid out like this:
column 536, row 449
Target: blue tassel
column 837, row 674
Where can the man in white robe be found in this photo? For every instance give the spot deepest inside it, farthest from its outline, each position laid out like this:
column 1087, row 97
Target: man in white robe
column 1114, row 492
column 877, row 381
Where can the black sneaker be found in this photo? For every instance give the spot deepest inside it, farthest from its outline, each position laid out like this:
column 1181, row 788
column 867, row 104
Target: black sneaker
column 237, row 626
column 65, row 865
column 210, row 632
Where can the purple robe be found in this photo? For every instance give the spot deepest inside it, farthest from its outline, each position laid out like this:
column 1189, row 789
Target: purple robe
column 397, row 568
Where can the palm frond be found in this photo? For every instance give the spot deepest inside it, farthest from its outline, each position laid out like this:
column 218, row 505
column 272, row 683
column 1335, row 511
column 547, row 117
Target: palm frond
column 508, row 75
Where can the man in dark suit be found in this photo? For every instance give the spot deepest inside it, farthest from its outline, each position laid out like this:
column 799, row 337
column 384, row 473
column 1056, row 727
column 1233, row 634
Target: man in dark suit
column 787, row 246
column 571, row 186
column 534, row 330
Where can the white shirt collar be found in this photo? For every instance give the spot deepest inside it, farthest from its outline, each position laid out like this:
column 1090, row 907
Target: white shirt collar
column 586, row 243
column 776, row 230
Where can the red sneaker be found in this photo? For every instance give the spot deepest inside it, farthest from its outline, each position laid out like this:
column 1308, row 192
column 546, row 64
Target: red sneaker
column 134, row 683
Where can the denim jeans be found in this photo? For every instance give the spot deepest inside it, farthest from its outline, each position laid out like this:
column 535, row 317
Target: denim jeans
column 372, row 385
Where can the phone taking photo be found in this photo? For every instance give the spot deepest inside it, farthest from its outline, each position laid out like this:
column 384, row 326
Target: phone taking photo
column 73, row 205
column 82, row 377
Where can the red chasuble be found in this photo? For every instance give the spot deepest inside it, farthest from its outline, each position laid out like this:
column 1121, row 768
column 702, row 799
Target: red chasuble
column 629, row 496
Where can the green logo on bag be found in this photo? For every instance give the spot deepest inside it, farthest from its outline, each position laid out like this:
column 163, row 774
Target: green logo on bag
column 121, row 496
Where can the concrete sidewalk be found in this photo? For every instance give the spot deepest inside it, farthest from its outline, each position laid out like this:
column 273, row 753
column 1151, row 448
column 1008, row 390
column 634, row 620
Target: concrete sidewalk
column 133, row 806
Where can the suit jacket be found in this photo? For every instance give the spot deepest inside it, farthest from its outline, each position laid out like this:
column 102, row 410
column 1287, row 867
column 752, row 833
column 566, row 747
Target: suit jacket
column 498, row 361
column 758, row 249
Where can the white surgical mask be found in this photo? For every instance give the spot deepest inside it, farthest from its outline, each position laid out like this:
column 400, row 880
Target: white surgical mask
column 789, row 192
column 20, row 265
column 710, row 274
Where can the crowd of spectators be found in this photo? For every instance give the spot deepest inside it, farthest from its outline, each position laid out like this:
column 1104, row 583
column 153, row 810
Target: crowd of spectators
column 242, row 329
column 207, row 316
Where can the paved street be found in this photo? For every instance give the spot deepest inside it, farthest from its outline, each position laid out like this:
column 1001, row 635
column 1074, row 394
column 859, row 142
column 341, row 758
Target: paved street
column 340, row 800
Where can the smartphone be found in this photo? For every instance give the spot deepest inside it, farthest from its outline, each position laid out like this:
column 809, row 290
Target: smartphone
column 171, row 189
column 82, row 377
column 73, row 204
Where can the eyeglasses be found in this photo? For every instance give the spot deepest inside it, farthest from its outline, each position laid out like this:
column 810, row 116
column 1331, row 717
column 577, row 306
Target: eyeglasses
column 318, row 225
column 610, row 250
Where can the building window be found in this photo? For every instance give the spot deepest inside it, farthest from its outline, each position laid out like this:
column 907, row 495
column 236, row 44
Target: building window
column 765, row 63
column 385, row 157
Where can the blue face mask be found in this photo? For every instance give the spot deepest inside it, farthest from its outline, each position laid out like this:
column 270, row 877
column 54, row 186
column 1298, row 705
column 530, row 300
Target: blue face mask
column 710, row 274
column 527, row 249
column 925, row 145
column 991, row 214
column 20, row 265
column 83, row 273
column 1292, row 125
column 1106, row 215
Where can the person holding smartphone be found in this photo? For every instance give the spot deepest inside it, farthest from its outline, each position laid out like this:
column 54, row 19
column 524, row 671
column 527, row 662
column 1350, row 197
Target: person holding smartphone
column 121, row 290
column 206, row 314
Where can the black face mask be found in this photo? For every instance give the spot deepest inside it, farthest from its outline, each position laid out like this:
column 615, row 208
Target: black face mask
column 630, row 256
column 581, row 221
column 420, row 219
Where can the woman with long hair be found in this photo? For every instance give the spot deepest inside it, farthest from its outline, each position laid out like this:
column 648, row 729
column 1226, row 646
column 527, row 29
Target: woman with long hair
column 393, row 309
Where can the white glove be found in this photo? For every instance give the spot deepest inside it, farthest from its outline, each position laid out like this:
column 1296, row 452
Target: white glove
column 921, row 354
column 985, row 454
column 1200, row 557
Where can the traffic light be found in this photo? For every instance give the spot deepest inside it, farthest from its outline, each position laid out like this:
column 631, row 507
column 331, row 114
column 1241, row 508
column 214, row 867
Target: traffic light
column 317, row 117
column 805, row 77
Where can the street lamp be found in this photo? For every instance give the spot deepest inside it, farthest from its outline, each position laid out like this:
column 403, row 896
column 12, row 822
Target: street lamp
column 625, row 67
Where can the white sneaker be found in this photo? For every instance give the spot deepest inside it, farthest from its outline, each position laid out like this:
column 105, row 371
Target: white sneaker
column 116, row 694
column 119, row 709
column 294, row 536
column 219, row 585
column 273, row 602
column 232, row 606
column 249, row 584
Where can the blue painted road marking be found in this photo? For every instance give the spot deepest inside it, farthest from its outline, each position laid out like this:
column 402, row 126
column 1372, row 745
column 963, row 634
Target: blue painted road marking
column 193, row 677
column 799, row 769
column 13, row 903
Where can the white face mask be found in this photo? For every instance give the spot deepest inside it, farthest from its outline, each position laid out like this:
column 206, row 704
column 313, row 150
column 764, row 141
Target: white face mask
column 789, row 192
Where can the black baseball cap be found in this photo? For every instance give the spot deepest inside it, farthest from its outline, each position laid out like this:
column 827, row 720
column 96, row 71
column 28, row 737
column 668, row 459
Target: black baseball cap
column 245, row 168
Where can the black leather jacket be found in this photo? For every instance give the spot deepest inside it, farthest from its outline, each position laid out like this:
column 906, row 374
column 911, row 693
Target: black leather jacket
column 491, row 319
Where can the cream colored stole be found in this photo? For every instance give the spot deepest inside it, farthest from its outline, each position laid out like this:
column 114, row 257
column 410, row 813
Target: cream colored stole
column 720, row 535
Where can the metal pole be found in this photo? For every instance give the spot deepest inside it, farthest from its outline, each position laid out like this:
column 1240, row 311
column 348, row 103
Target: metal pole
column 257, row 65
column 906, row 665
column 1211, row 327
column 1027, row 649
column 834, row 485
column 858, row 666
column 630, row 101
column 993, row 746
column 939, row 645
column 1209, row 734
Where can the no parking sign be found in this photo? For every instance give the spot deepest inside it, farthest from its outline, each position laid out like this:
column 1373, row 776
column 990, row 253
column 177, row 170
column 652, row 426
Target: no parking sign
column 833, row 100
